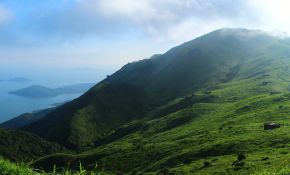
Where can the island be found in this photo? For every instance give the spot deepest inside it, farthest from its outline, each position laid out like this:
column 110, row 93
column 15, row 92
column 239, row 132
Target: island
column 37, row 91
column 18, row 79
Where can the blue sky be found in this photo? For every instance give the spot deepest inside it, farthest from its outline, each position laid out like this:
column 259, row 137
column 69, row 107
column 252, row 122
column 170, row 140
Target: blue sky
column 109, row 33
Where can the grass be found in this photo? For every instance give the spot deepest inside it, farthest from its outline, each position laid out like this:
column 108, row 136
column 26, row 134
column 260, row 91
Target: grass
column 275, row 171
column 212, row 131
column 185, row 147
column 9, row 168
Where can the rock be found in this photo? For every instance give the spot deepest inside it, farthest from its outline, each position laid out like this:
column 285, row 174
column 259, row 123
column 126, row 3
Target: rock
column 241, row 156
column 206, row 164
column 214, row 160
column 265, row 158
column 268, row 126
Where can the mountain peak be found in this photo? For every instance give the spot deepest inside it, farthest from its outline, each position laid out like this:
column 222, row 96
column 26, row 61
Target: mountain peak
column 239, row 32
column 246, row 34
column 201, row 63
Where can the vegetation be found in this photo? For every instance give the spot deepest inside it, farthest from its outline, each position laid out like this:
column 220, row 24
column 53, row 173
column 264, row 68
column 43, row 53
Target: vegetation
column 141, row 87
column 197, row 109
column 22, row 146
column 9, row 168
column 274, row 171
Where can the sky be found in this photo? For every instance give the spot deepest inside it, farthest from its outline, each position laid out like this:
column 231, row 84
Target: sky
column 106, row 34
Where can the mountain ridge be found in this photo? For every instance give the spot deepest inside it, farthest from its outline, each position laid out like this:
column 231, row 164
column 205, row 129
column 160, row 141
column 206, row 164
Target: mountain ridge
column 199, row 63
column 196, row 109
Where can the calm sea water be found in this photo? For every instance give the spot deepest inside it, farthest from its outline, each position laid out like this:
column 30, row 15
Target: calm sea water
column 12, row 105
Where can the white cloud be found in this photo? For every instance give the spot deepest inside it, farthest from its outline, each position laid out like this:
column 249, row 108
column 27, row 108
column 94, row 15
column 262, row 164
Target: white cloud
column 171, row 19
column 273, row 14
column 110, row 32
column 5, row 15
column 190, row 28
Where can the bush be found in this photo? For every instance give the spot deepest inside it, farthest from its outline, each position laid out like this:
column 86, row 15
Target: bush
column 206, row 164
column 241, row 156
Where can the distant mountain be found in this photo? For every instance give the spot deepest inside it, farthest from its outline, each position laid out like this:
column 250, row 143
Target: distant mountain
column 19, row 79
column 37, row 91
column 25, row 119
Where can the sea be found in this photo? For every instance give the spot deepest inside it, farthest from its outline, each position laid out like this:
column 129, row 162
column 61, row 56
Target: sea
column 13, row 105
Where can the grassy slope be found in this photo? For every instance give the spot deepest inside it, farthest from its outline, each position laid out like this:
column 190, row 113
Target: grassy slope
column 9, row 168
column 214, row 130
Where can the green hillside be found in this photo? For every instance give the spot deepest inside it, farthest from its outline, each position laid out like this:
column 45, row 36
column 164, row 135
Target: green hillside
column 24, row 147
column 197, row 109
column 140, row 87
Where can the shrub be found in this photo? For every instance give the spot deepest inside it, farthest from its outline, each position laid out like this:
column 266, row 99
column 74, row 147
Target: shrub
column 241, row 156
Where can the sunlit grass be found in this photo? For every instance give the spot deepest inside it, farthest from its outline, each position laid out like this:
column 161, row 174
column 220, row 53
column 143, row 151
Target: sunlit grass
column 274, row 171
column 9, row 168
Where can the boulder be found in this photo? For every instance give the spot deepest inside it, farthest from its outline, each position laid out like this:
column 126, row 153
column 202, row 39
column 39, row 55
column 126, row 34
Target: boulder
column 268, row 126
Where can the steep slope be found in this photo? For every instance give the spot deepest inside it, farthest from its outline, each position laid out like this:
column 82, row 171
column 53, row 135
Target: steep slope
column 99, row 111
column 205, row 61
column 140, row 87
column 204, row 132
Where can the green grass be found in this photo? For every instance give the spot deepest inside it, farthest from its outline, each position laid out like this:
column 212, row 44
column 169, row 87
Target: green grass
column 274, row 171
column 203, row 131
column 9, row 168
column 142, row 86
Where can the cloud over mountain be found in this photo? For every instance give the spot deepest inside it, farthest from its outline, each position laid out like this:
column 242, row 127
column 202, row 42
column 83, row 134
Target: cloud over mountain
column 107, row 29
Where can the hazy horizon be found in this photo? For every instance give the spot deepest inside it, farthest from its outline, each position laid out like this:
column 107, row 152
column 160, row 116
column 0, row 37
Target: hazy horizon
column 62, row 42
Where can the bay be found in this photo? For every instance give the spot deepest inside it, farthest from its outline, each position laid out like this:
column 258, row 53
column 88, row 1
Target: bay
column 12, row 105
